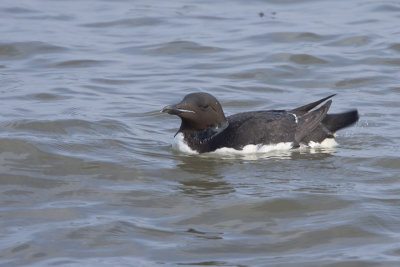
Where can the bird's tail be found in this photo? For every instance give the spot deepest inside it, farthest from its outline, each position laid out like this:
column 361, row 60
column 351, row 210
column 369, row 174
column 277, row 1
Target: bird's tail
column 335, row 122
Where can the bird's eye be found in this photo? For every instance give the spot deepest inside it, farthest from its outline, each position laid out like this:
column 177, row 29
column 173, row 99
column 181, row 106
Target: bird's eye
column 205, row 106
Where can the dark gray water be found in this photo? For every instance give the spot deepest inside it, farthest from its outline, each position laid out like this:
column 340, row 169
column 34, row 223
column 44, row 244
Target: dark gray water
column 88, row 176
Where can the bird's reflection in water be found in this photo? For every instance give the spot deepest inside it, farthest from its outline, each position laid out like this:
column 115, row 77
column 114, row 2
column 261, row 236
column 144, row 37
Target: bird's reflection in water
column 207, row 174
column 203, row 175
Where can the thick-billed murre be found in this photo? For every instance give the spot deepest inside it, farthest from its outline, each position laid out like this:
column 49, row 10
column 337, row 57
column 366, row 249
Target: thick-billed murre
column 205, row 128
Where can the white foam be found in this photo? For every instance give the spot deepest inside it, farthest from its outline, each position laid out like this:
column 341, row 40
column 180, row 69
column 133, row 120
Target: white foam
column 326, row 143
column 180, row 145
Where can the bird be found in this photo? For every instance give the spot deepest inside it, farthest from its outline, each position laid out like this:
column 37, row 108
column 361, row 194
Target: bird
column 205, row 128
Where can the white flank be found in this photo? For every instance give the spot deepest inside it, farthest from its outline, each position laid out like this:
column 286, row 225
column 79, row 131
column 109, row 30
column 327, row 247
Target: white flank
column 180, row 145
column 255, row 149
column 295, row 117
column 327, row 143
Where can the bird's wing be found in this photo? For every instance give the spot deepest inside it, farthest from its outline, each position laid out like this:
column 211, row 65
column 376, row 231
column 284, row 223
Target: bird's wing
column 308, row 107
column 309, row 121
column 261, row 127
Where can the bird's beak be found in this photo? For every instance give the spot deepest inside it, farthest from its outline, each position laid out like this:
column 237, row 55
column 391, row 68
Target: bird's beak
column 175, row 110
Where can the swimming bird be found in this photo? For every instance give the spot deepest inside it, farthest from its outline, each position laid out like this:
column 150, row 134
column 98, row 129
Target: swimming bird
column 205, row 128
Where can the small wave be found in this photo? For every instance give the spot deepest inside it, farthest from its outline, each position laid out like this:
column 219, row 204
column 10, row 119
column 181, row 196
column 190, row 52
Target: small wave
column 82, row 63
column 126, row 22
column 67, row 126
column 179, row 47
column 19, row 50
column 352, row 41
column 291, row 37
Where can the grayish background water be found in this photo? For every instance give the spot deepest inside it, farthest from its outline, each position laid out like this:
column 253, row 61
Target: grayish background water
column 87, row 172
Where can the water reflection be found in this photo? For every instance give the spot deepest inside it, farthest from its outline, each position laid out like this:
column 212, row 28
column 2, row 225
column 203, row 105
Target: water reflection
column 206, row 188
column 212, row 174
column 203, row 177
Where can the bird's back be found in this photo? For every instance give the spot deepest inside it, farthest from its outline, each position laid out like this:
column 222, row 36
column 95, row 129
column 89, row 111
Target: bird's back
column 257, row 127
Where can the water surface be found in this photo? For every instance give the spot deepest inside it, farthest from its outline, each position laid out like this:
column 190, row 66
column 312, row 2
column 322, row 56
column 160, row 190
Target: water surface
column 88, row 175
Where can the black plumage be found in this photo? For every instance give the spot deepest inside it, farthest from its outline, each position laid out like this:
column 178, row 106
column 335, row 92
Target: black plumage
column 205, row 127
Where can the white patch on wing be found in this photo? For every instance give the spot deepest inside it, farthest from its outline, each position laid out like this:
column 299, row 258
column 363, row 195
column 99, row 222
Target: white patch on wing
column 295, row 117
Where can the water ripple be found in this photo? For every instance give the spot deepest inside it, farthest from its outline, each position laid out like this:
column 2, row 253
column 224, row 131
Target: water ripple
column 27, row 49
column 126, row 23
column 86, row 156
column 179, row 47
